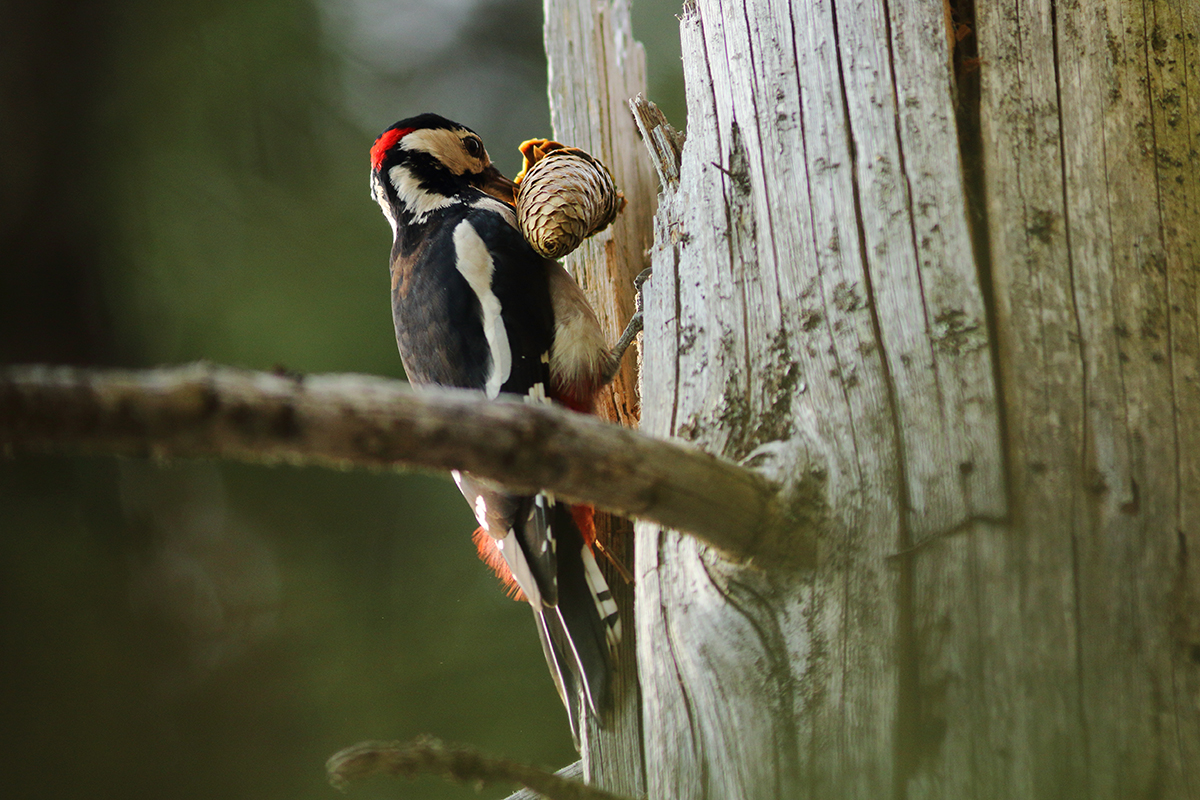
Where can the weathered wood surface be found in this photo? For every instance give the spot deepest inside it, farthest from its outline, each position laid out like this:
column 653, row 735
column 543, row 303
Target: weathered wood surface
column 814, row 301
column 1091, row 133
column 815, row 283
column 595, row 66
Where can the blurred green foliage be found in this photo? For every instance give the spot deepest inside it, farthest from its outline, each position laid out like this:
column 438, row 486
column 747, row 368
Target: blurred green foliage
column 188, row 180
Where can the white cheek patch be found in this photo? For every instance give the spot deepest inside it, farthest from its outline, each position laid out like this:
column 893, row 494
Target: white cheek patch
column 474, row 262
column 416, row 199
column 380, row 196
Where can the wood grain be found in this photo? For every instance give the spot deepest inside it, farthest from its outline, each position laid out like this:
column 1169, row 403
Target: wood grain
column 815, row 298
column 1092, row 166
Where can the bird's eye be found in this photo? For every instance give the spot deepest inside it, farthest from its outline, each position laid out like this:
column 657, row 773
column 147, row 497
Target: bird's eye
column 474, row 146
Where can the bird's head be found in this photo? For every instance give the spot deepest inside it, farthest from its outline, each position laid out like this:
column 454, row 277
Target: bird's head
column 424, row 163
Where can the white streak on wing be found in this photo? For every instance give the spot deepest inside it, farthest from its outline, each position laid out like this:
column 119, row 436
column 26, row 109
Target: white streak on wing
column 545, row 501
column 489, row 203
column 536, row 394
column 475, row 263
column 602, row 597
column 417, row 200
column 481, row 512
column 519, row 567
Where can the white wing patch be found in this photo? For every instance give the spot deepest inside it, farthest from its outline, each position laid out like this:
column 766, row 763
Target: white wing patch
column 474, row 262
column 481, row 513
column 489, row 203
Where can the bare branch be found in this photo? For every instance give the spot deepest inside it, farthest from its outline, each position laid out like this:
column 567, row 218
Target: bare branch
column 429, row 756
column 572, row 771
column 664, row 143
column 347, row 421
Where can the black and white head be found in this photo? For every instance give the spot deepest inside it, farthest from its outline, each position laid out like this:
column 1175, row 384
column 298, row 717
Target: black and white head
column 425, row 163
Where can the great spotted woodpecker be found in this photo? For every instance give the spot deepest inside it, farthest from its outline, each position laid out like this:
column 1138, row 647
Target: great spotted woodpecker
column 475, row 307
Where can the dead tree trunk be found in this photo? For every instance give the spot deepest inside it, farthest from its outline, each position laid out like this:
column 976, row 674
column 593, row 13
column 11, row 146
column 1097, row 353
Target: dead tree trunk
column 999, row 390
column 595, row 66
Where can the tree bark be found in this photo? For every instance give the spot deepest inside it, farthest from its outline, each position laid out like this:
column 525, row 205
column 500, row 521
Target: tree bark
column 594, row 67
column 1091, row 124
column 813, row 273
column 1002, row 399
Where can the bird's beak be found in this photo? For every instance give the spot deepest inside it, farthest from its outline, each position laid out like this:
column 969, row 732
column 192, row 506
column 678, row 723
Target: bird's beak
column 498, row 186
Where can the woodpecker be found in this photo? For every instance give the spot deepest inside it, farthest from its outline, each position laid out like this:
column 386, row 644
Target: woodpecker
column 476, row 307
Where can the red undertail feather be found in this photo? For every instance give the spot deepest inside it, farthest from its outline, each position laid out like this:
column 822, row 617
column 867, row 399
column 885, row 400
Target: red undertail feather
column 579, row 397
column 585, row 520
column 489, row 554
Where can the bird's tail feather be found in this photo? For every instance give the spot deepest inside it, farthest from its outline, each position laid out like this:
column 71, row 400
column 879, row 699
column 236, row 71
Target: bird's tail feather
column 579, row 639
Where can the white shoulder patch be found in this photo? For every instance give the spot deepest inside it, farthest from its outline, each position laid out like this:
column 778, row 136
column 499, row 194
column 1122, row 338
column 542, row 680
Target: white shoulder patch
column 497, row 207
column 475, row 264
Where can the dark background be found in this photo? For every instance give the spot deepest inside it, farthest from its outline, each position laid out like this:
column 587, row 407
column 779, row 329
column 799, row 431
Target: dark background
column 187, row 180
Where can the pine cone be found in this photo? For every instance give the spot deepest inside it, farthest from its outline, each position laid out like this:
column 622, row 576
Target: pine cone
column 564, row 195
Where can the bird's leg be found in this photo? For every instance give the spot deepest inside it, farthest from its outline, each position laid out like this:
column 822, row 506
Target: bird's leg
column 632, row 329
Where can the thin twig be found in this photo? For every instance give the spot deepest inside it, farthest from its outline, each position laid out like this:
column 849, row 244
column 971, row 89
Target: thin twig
column 429, row 756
